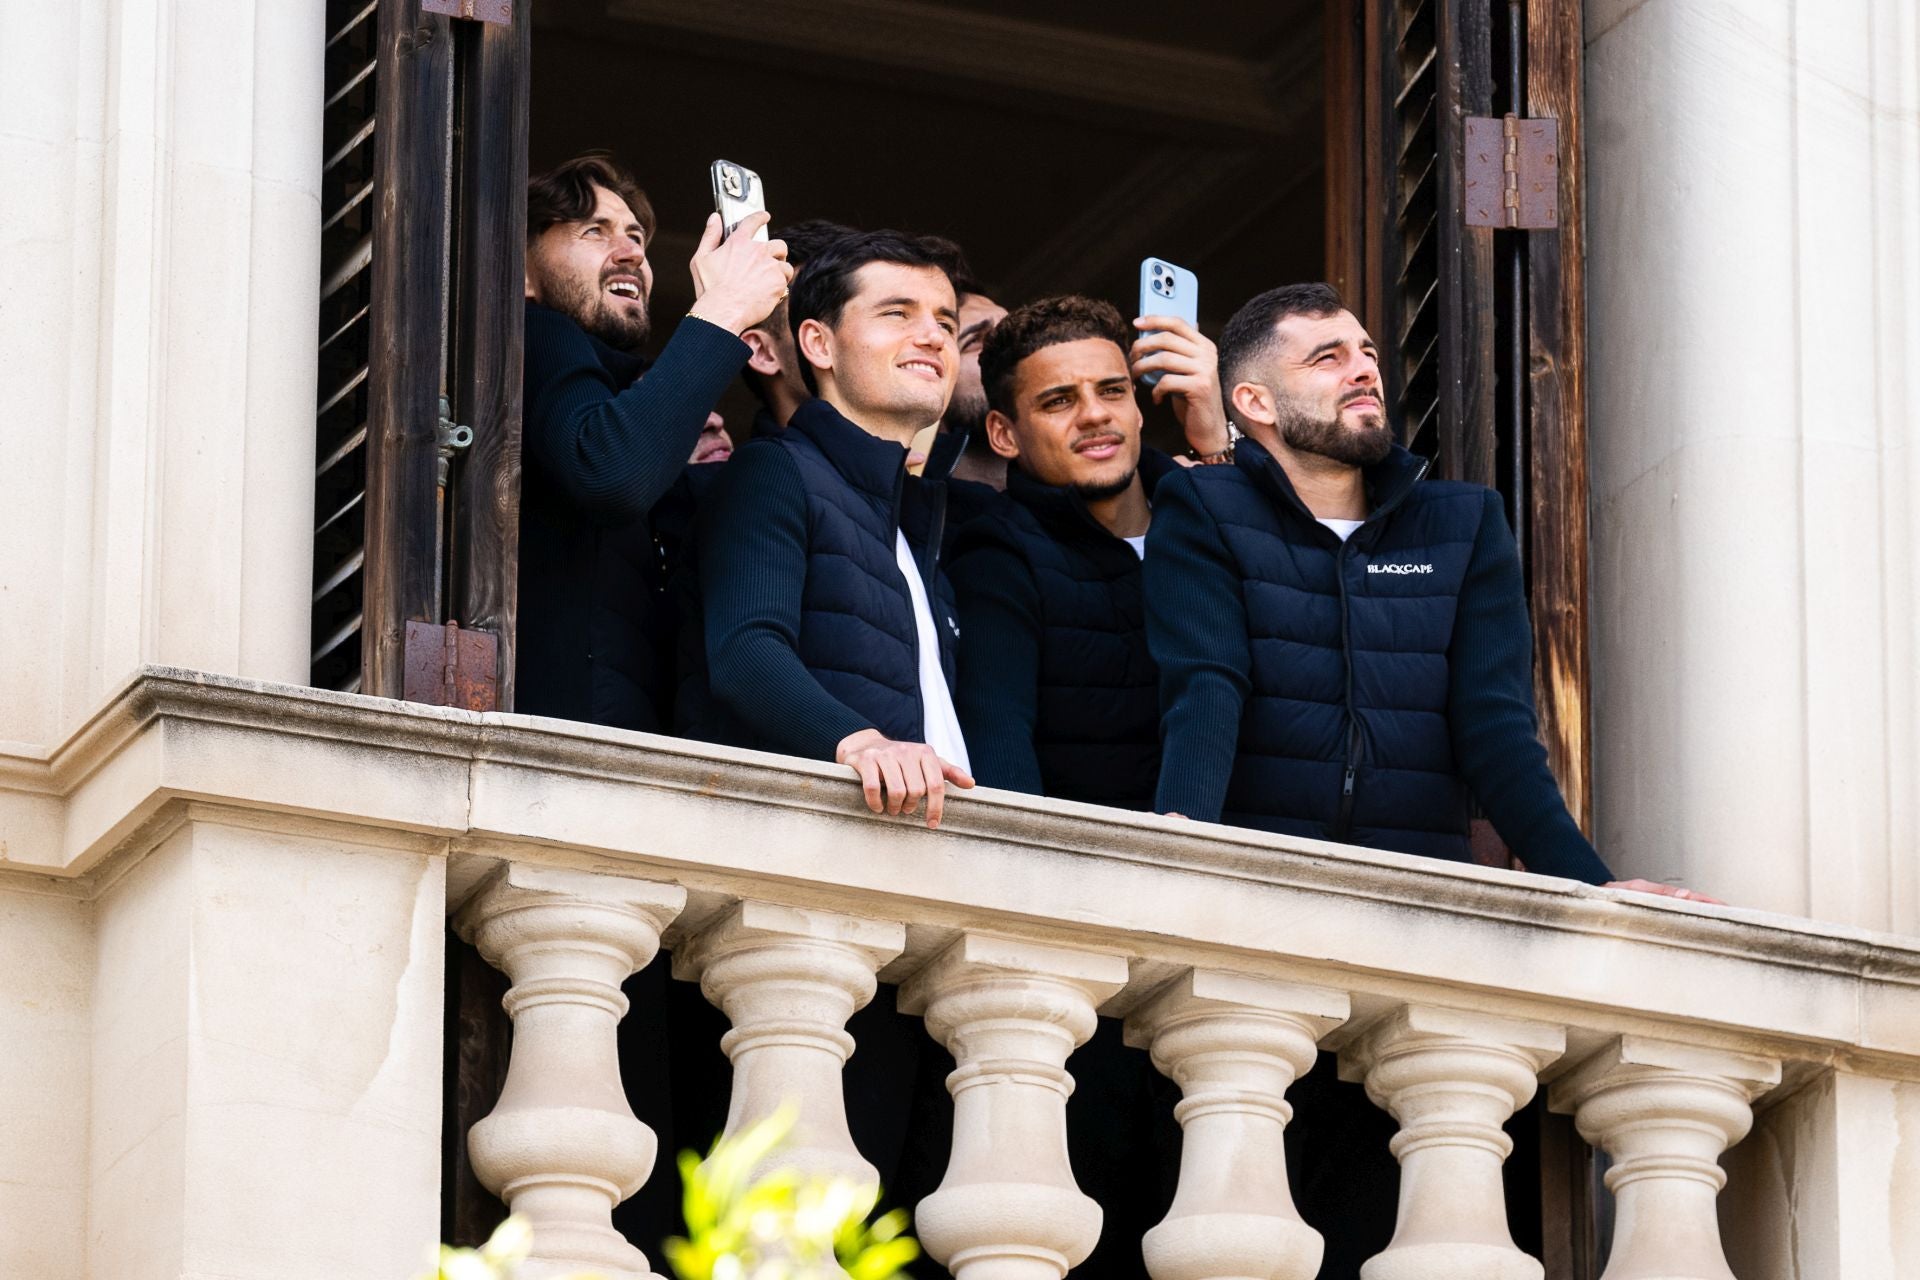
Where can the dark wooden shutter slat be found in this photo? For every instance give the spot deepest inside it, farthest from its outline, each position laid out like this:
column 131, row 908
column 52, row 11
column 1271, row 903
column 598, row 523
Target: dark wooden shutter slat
column 489, row 316
column 1557, row 457
column 408, row 314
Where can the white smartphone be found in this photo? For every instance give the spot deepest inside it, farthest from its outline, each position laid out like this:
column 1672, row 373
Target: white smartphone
column 1167, row 290
column 737, row 193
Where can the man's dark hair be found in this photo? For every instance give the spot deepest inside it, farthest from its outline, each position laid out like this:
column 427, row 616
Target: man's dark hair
column 1250, row 334
column 806, row 238
column 564, row 193
column 1036, row 326
column 954, row 259
column 825, row 284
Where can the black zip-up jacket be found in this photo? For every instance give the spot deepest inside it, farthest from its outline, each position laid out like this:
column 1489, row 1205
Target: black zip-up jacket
column 809, row 630
column 1366, row 691
column 1058, row 693
column 601, row 445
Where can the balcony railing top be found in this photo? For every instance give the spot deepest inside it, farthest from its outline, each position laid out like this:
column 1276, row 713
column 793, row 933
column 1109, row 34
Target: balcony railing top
column 1162, row 893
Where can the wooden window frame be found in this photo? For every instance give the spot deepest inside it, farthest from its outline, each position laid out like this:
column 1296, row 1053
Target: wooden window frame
column 447, row 320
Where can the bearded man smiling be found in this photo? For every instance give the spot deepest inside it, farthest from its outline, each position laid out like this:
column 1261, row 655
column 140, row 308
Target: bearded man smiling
column 602, row 443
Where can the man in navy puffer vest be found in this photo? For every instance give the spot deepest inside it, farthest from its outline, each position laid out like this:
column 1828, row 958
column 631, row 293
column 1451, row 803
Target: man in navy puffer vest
column 1343, row 645
column 829, row 630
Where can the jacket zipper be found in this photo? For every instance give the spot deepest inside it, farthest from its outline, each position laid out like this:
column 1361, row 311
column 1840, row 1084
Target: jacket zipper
column 1343, row 824
column 1343, row 821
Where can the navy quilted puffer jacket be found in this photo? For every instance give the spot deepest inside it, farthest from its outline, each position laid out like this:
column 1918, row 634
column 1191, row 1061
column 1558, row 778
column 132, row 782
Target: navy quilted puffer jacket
column 1058, row 694
column 1367, row 691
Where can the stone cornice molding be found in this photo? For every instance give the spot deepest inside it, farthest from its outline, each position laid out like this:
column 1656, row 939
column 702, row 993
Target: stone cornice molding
column 1167, row 891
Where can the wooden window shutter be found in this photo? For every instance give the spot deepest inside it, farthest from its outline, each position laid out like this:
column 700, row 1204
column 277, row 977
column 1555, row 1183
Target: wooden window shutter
column 1483, row 329
column 421, row 331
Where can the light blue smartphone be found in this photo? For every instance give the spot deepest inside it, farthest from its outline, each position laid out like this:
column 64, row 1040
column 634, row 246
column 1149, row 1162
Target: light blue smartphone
column 1167, row 290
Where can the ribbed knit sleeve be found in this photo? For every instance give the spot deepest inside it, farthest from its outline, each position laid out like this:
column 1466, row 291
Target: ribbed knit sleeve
column 613, row 452
column 1490, row 712
column 999, row 685
column 752, row 539
column 1197, row 631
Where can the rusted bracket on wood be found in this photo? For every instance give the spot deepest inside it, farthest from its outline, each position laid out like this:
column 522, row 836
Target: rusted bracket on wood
column 497, row 11
column 451, row 438
column 1512, row 173
column 450, row 667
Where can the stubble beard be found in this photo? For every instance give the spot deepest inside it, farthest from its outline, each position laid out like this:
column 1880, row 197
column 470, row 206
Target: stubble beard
column 1359, row 446
column 967, row 411
column 1110, row 489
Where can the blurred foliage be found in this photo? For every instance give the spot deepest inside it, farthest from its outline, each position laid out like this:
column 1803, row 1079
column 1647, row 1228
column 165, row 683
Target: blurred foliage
column 780, row 1224
column 747, row 1219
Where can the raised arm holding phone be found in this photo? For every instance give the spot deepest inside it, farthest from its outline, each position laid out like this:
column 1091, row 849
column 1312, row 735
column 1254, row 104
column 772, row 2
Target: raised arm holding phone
column 606, row 433
column 1178, row 362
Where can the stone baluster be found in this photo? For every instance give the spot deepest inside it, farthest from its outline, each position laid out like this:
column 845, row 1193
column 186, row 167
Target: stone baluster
column 789, row 979
column 562, row 1146
column 1234, row 1044
column 1664, row 1112
column 1452, row 1079
column 1010, row 1012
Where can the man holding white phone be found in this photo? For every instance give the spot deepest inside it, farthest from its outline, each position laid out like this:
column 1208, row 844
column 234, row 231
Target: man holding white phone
column 606, row 433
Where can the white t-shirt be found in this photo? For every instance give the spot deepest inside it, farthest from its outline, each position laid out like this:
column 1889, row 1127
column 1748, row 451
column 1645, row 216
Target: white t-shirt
column 942, row 725
column 1344, row 528
column 1138, row 544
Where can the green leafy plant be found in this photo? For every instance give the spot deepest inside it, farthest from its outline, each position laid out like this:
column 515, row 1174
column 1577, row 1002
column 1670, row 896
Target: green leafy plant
column 745, row 1221
column 780, row 1224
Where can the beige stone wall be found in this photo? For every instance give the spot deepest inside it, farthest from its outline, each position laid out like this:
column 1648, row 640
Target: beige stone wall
column 46, row 968
column 159, row 257
column 266, row 1059
column 1827, row 1184
column 1754, row 212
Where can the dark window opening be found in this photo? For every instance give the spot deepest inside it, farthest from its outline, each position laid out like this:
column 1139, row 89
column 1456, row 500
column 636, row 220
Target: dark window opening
column 1058, row 148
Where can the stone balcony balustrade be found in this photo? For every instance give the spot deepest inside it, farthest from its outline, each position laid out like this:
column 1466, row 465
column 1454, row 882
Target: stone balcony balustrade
column 264, row 865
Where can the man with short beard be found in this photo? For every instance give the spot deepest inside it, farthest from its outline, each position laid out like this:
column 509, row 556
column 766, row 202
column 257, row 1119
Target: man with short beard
column 1343, row 644
column 967, row 413
column 601, row 444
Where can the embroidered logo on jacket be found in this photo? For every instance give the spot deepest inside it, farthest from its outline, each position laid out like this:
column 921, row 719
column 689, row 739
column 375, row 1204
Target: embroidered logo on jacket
column 1399, row 568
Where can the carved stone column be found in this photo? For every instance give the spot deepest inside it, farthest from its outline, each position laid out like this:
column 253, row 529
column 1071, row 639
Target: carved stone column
column 1664, row 1112
column 789, row 979
column 562, row 1146
column 1452, row 1079
column 1234, row 1044
column 1010, row 1013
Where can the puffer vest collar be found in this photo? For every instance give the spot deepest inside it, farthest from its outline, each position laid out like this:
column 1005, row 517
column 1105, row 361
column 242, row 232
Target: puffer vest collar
column 876, row 469
column 1387, row 484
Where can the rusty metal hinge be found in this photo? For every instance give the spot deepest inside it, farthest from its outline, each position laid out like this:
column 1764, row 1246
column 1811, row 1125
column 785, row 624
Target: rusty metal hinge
column 447, row 666
column 450, row 438
column 1512, row 177
column 500, row 11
